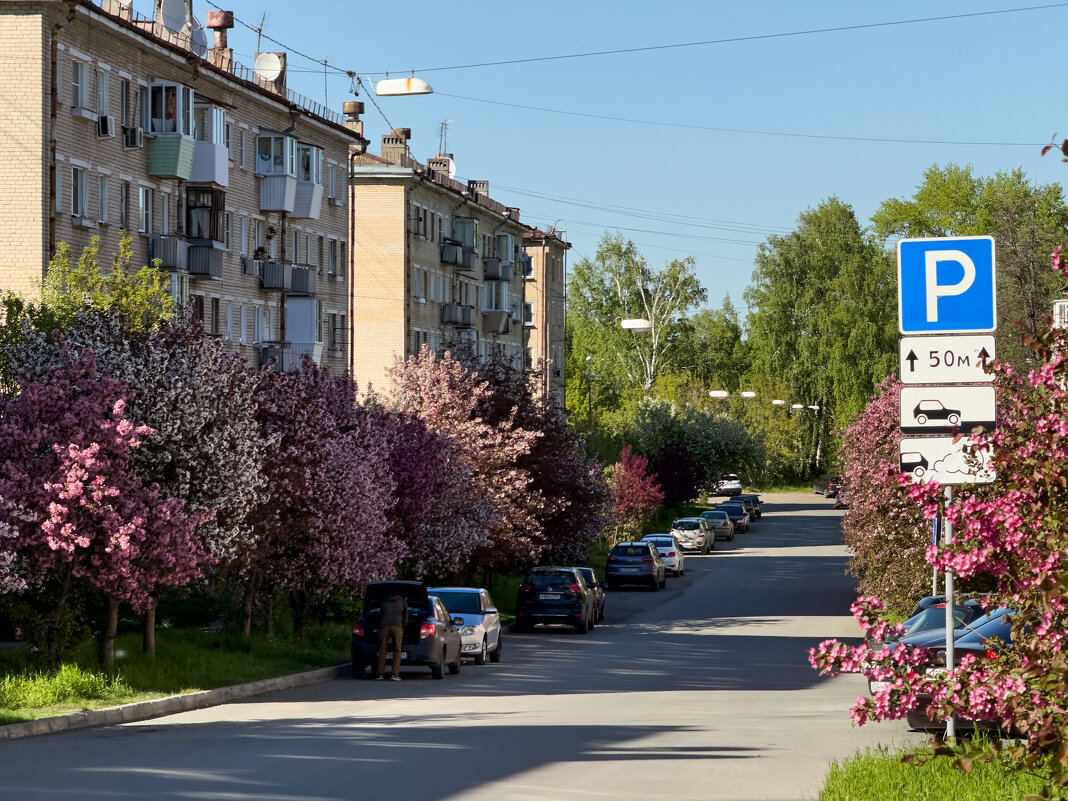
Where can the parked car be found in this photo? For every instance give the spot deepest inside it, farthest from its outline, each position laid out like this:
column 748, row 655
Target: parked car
column 841, row 500
column 728, row 485
column 827, row 485
column 693, row 533
column 747, row 504
column 634, row 563
column 597, row 588
column 481, row 628
column 738, row 515
column 720, row 523
column 670, row 551
column 555, row 595
column 758, row 505
column 431, row 638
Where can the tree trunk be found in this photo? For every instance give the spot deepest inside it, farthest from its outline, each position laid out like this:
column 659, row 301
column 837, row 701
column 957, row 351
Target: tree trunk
column 246, row 625
column 148, row 636
column 270, row 615
column 107, row 649
column 300, row 612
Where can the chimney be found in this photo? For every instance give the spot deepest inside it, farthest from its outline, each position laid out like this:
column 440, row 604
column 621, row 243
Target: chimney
column 395, row 145
column 221, row 55
column 479, row 187
column 352, row 110
column 441, row 163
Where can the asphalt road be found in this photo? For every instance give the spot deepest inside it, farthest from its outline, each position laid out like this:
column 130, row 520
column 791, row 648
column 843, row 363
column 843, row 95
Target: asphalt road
column 699, row 691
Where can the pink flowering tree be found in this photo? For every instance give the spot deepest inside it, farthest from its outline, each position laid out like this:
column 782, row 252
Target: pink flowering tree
column 636, row 495
column 81, row 514
column 324, row 525
column 1013, row 533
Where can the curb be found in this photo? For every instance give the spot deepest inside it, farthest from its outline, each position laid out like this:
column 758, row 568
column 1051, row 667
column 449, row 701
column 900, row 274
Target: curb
column 146, row 710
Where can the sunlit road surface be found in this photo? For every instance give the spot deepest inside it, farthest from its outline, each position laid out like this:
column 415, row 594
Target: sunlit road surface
column 699, row 691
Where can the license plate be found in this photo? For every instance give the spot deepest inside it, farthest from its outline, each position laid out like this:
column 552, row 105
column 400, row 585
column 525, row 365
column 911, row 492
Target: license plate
column 875, row 686
column 550, row 596
column 628, row 570
column 404, row 655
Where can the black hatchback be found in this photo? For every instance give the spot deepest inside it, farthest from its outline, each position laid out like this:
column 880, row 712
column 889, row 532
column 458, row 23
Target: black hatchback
column 555, row 595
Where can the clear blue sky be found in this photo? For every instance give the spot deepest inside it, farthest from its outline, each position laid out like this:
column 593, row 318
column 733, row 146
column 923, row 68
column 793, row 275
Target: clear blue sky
column 687, row 189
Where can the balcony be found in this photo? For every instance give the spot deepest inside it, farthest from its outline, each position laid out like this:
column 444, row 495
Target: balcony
column 171, row 251
column 457, row 315
column 205, row 262
column 287, row 356
column 170, row 156
column 287, row 277
column 211, row 164
column 455, row 253
column 308, row 201
column 496, row 322
column 278, row 193
column 526, row 266
column 493, row 269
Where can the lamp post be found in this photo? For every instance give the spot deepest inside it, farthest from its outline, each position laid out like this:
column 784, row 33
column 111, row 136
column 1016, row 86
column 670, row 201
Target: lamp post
column 589, row 395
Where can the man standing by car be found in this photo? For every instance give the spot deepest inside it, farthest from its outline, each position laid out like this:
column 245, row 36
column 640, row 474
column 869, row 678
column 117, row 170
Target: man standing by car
column 392, row 619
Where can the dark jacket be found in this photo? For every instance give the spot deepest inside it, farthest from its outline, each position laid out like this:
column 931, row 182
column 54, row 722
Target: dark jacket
column 394, row 612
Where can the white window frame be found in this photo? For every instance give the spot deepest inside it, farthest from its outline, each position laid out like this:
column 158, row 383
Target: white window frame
column 276, row 154
column 79, row 84
column 103, row 199
column 79, row 191
column 310, row 164
column 145, row 209
column 103, row 92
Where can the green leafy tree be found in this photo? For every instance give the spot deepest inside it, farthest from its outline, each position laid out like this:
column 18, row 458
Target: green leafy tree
column 1027, row 221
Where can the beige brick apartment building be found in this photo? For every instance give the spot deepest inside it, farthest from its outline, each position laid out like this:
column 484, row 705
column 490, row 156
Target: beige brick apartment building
column 435, row 261
column 543, row 314
column 118, row 121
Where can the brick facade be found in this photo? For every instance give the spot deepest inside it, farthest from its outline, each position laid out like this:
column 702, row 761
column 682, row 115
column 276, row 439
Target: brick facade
column 544, row 315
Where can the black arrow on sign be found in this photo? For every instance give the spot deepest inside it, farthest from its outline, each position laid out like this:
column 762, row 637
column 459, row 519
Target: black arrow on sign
column 983, row 356
column 911, row 359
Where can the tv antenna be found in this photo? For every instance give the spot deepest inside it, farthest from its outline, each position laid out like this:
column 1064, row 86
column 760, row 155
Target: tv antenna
column 259, row 31
column 443, row 137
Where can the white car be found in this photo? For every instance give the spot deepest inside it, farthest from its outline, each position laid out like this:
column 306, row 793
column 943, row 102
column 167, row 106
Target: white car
column 693, row 534
column 670, row 551
column 729, row 485
column 481, row 630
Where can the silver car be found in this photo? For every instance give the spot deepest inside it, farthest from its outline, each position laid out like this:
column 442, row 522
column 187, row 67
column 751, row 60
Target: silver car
column 670, row 551
column 693, row 534
column 481, row 630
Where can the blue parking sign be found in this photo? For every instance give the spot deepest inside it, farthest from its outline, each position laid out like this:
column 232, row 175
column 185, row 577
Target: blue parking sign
column 946, row 285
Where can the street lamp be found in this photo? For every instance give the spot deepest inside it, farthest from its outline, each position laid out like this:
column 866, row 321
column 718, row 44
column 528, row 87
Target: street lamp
column 778, row 402
column 748, row 394
column 391, row 87
column 718, row 393
column 798, row 406
column 635, row 324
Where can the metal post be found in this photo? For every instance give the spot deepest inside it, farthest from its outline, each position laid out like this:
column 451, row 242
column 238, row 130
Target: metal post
column 934, row 541
column 951, row 731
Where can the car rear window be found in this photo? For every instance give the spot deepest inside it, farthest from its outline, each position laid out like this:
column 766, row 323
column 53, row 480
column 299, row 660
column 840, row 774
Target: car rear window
column 686, row 525
column 630, row 550
column 552, row 581
column 730, row 509
column 716, row 515
column 663, row 545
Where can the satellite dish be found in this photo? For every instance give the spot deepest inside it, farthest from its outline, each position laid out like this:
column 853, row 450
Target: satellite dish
column 171, row 13
column 452, row 167
column 269, row 66
column 198, row 38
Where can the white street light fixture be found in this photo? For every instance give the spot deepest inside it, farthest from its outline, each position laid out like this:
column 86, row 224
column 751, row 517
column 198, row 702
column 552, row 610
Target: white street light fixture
column 636, row 324
column 814, row 408
column 778, row 402
column 390, row 87
column 798, row 406
column 718, row 393
column 748, row 394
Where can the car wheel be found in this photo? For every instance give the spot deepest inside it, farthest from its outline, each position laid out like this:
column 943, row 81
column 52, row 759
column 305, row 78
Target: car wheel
column 708, row 546
column 593, row 620
column 583, row 627
column 495, row 656
column 480, row 658
column 438, row 671
column 454, row 668
column 358, row 669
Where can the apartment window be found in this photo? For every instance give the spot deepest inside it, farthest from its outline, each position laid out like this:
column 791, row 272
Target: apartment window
column 79, row 192
column 130, row 104
column 229, row 136
column 196, row 302
column 103, row 92
column 216, row 323
column 210, row 124
column 310, row 164
column 170, row 109
column 229, row 231
column 465, row 229
column 528, row 313
column 331, row 330
column 79, row 84
column 229, row 321
column 418, row 282
column 318, row 321
column 205, row 210
column 124, row 206
column 276, row 155
column 103, row 199
column 332, row 185
column 146, row 201
column 257, row 325
column 319, row 257
column 332, row 266
column 342, row 264
column 244, row 236
column 180, row 288
column 244, row 325
column 244, row 149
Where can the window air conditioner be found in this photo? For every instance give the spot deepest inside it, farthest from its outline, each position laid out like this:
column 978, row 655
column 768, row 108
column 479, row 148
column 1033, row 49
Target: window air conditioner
column 105, row 125
column 133, row 137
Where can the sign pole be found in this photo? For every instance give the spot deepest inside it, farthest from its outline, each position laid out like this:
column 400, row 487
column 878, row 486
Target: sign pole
column 951, row 732
column 934, row 542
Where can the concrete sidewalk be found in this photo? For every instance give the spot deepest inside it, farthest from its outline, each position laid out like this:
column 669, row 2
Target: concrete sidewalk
column 145, row 710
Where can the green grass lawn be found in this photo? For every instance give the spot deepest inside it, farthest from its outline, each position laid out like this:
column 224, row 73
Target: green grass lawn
column 185, row 661
column 879, row 775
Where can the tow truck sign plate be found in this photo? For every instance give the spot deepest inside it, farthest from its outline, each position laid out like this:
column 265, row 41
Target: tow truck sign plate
column 948, row 359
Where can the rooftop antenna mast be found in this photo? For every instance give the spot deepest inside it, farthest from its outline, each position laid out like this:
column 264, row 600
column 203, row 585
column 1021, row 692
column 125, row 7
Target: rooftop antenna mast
column 443, row 137
column 259, row 31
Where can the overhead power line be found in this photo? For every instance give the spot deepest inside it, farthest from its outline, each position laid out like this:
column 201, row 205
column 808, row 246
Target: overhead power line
column 733, row 39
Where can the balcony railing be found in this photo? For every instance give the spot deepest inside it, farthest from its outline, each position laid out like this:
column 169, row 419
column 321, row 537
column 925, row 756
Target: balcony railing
column 493, row 269
column 462, row 257
column 287, row 277
column 205, row 262
column 172, row 251
column 496, row 322
column 287, row 356
column 455, row 314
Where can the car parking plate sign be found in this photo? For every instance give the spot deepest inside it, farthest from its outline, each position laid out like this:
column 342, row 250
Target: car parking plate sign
column 947, row 409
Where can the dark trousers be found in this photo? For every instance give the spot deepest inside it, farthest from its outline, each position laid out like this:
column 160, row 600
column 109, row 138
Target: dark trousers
column 385, row 635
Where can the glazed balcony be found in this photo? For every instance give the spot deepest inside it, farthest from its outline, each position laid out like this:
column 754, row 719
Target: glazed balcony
column 170, row 155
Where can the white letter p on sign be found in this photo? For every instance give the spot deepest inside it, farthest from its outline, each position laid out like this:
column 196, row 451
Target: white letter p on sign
column 934, row 289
